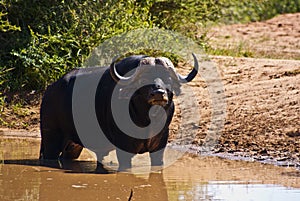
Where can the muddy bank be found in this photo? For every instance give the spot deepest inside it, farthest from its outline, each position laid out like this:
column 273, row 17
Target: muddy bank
column 263, row 106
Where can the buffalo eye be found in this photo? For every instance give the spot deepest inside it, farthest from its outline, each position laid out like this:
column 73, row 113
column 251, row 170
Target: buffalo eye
column 142, row 81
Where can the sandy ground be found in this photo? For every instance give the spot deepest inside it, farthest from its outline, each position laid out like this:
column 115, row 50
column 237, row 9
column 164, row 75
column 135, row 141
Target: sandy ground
column 278, row 37
column 262, row 116
column 262, row 95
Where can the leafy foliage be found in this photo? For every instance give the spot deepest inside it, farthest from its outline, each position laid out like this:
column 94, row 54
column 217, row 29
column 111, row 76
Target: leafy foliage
column 58, row 35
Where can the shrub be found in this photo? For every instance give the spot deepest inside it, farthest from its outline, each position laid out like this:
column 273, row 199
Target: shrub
column 57, row 35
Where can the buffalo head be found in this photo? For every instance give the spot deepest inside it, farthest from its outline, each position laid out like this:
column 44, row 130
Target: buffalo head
column 155, row 78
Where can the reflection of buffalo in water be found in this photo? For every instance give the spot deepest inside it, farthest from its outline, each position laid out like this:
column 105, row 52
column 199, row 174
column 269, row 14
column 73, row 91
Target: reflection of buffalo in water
column 59, row 136
column 29, row 179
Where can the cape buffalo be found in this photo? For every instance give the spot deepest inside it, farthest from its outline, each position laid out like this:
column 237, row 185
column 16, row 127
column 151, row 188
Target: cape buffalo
column 60, row 139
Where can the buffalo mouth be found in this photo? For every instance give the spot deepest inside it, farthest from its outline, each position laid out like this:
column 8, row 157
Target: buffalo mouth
column 160, row 102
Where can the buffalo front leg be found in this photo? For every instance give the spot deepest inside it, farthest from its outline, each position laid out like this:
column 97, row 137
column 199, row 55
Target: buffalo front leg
column 157, row 157
column 124, row 159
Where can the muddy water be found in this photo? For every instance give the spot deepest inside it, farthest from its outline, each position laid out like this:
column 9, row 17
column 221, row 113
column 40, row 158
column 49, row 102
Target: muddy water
column 23, row 177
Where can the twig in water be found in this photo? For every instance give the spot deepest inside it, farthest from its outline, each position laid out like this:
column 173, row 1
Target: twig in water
column 131, row 194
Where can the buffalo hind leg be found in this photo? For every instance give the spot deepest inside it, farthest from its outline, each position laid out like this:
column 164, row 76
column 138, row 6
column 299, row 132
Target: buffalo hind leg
column 50, row 146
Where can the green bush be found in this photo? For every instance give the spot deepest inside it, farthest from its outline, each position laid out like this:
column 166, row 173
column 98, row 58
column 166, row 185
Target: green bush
column 57, row 36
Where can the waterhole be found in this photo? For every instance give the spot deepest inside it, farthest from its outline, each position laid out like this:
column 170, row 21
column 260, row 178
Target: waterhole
column 192, row 177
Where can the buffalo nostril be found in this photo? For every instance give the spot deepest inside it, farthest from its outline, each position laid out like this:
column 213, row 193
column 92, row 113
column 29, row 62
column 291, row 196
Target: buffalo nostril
column 158, row 92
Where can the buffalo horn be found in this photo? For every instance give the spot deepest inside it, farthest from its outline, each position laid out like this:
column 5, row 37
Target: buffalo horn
column 117, row 77
column 192, row 74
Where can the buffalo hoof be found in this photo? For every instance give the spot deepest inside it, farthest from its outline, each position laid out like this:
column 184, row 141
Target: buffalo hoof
column 124, row 168
column 100, row 169
column 71, row 150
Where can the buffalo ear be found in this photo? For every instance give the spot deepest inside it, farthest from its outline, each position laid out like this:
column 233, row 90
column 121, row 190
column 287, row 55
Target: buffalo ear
column 176, row 87
column 177, row 91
